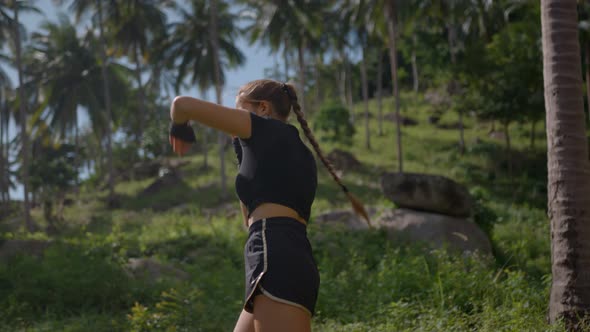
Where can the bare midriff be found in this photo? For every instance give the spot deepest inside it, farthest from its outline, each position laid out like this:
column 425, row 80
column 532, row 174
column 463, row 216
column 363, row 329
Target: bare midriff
column 269, row 210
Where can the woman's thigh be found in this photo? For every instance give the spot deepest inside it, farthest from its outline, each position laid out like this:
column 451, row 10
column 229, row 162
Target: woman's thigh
column 270, row 316
column 245, row 322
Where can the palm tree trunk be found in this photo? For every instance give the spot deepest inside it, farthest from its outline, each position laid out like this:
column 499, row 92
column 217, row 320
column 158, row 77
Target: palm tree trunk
column 390, row 16
column 415, row 64
column 107, row 100
column 140, row 95
column 365, row 99
column 588, row 80
column 218, row 88
column 3, row 170
column 318, row 88
column 301, row 58
column 508, row 149
column 348, row 89
column 567, row 164
column 7, row 140
column 342, row 79
column 205, row 133
column 23, row 118
column 380, row 91
column 452, row 39
column 286, row 60
column 533, row 133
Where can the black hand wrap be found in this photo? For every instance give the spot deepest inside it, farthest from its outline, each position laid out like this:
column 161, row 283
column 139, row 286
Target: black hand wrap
column 183, row 131
column 238, row 149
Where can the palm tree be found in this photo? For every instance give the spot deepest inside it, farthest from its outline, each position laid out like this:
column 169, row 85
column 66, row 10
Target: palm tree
column 568, row 166
column 18, row 6
column 205, row 59
column 285, row 23
column 390, row 14
column 68, row 71
column 137, row 24
column 5, row 86
column 81, row 7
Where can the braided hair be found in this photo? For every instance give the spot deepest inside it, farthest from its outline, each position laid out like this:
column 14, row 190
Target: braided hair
column 283, row 98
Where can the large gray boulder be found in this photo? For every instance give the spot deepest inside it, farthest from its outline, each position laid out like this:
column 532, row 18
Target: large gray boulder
column 344, row 218
column 435, row 230
column 432, row 193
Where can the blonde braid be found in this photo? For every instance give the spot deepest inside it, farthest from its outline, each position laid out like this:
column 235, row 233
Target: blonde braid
column 356, row 204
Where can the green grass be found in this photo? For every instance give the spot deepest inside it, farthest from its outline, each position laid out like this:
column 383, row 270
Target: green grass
column 367, row 282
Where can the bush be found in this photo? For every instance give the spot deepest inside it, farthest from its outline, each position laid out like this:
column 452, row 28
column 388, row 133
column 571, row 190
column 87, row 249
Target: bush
column 66, row 281
column 334, row 120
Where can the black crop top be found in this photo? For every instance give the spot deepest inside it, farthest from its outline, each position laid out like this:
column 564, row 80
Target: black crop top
column 275, row 167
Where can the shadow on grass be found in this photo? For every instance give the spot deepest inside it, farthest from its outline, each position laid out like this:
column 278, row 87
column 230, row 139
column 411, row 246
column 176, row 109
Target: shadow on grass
column 174, row 196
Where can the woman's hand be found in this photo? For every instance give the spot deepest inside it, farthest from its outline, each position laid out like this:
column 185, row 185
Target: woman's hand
column 181, row 137
column 179, row 146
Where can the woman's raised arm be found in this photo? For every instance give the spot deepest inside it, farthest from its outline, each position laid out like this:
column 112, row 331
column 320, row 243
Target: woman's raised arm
column 235, row 122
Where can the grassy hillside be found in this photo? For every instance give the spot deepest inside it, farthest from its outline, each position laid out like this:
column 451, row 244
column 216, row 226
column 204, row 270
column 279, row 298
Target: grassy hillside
column 367, row 283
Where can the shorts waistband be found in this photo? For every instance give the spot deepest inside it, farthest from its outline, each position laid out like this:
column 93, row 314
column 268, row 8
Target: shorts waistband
column 277, row 222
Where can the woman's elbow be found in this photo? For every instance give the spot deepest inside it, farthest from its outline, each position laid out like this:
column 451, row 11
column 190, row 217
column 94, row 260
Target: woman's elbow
column 176, row 109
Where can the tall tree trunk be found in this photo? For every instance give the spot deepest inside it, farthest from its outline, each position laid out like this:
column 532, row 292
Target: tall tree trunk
column 23, row 118
column 533, row 134
column 140, row 95
column 107, row 101
column 568, row 193
column 588, row 81
column 301, row 58
column 218, row 88
column 4, row 155
column 380, row 91
column 76, row 157
column 415, row 63
column 7, row 153
column 365, row 98
column 286, row 60
column 3, row 170
column 348, row 89
column 452, row 40
column 205, row 133
column 390, row 16
column 506, row 127
column 318, row 76
column 342, row 79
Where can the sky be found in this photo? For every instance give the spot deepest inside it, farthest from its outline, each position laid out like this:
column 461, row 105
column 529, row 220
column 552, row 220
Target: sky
column 258, row 58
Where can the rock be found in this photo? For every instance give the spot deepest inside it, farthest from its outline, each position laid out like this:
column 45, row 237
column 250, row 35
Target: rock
column 344, row 218
column 499, row 135
column 11, row 248
column 406, row 121
column 453, row 125
column 425, row 192
column 433, row 119
column 167, row 181
column 435, row 230
column 153, row 270
column 343, row 161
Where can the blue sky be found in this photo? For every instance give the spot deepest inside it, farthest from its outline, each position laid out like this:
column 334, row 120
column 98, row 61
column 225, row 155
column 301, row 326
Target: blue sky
column 257, row 59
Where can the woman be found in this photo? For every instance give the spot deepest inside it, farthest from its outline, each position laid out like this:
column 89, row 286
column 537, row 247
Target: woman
column 276, row 185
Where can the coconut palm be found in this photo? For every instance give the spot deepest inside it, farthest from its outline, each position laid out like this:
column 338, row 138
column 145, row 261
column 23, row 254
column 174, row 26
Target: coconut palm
column 391, row 23
column 288, row 24
column 204, row 60
column 568, row 166
column 68, row 71
column 135, row 26
column 97, row 8
column 18, row 36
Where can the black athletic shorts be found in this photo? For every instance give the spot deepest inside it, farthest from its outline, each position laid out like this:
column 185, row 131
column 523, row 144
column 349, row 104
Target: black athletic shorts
column 280, row 264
